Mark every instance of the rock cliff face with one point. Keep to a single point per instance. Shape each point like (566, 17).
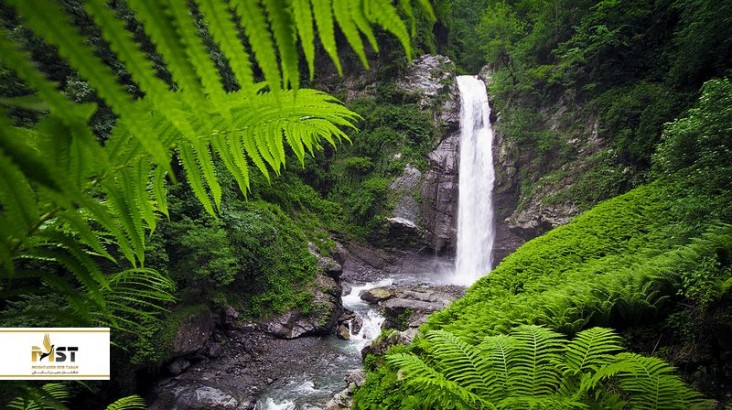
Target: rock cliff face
(544, 185)
(505, 196)
(527, 203)
(432, 78)
(440, 195)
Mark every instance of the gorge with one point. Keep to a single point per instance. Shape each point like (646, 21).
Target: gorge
(273, 209)
(405, 287)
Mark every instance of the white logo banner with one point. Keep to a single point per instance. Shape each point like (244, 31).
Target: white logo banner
(56, 353)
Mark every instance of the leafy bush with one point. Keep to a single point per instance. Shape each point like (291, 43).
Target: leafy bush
(202, 252)
(697, 149)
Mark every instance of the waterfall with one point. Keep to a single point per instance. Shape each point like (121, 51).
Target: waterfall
(475, 229)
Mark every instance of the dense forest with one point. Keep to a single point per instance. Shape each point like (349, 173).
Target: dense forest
(168, 162)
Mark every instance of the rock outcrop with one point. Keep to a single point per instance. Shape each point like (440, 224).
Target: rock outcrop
(405, 308)
(184, 396)
(506, 193)
(440, 195)
(344, 399)
(193, 333)
(404, 222)
(322, 317)
(548, 201)
(432, 77)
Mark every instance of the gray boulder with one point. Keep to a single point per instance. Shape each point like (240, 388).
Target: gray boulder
(193, 333)
(376, 295)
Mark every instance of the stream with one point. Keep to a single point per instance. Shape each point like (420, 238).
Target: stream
(323, 377)
(316, 385)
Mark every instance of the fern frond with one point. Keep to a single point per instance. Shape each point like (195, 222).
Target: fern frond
(498, 350)
(591, 349)
(50, 22)
(195, 51)
(462, 363)
(224, 33)
(70, 253)
(236, 150)
(143, 199)
(18, 210)
(128, 403)
(27, 158)
(323, 12)
(128, 51)
(385, 14)
(417, 373)
(255, 25)
(137, 64)
(188, 160)
(101, 215)
(650, 383)
(358, 16)
(296, 139)
(50, 395)
(163, 33)
(344, 17)
(252, 150)
(136, 294)
(406, 7)
(209, 174)
(14, 56)
(282, 24)
(78, 306)
(427, 6)
(79, 225)
(158, 189)
(262, 138)
(123, 202)
(303, 16)
(532, 370)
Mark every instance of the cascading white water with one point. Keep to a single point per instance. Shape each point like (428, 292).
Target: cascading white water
(475, 229)
(372, 319)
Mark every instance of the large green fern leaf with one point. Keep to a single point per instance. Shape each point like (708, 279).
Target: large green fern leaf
(462, 363)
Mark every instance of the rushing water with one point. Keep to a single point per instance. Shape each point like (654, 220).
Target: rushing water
(475, 229)
(315, 386)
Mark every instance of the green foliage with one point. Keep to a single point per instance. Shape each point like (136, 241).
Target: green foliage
(276, 266)
(202, 252)
(49, 396)
(617, 68)
(633, 117)
(393, 133)
(696, 149)
(129, 402)
(76, 208)
(625, 263)
(534, 367)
